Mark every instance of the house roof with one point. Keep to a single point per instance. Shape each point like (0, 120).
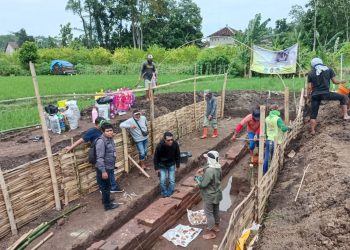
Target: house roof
(227, 31)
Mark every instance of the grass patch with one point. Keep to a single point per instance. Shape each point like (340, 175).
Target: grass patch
(24, 113)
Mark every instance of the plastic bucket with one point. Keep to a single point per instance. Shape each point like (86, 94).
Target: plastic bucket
(343, 90)
(62, 104)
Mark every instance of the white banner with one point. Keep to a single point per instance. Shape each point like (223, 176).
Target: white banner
(275, 62)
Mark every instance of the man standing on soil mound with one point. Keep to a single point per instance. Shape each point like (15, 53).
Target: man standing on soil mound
(89, 137)
(166, 158)
(318, 85)
(210, 115)
(209, 182)
(148, 73)
(137, 126)
(253, 126)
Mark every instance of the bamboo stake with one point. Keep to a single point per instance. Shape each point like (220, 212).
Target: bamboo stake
(261, 159)
(125, 145)
(8, 204)
(302, 180)
(286, 105)
(14, 246)
(195, 96)
(42, 241)
(223, 95)
(76, 168)
(46, 138)
(151, 102)
(138, 166)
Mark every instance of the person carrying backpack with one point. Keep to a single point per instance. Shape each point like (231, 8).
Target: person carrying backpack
(90, 136)
(106, 156)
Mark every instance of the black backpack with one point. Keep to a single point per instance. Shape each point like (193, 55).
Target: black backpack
(92, 157)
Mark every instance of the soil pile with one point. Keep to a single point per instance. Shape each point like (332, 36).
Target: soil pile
(320, 218)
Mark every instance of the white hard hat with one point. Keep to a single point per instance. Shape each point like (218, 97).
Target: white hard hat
(149, 56)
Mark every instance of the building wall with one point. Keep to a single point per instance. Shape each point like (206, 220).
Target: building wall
(9, 50)
(216, 41)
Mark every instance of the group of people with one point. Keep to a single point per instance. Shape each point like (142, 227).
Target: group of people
(166, 157)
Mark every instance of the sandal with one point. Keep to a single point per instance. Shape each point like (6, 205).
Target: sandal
(209, 236)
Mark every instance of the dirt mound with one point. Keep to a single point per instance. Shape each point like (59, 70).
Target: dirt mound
(320, 219)
(17, 148)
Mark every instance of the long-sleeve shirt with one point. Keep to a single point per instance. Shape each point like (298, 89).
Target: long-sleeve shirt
(252, 125)
(106, 154)
(136, 132)
(212, 104)
(166, 156)
(210, 186)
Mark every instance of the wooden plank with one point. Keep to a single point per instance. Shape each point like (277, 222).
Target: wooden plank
(138, 166)
(46, 138)
(125, 147)
(8, 204)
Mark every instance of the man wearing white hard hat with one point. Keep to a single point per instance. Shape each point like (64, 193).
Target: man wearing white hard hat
(318, 85)
(148, 73)
(209, 182)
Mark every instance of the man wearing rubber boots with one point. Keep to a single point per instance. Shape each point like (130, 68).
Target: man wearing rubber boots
(210, 116)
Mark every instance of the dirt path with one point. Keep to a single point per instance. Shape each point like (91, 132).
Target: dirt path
(320, 219)
(227, 205)
(92, 222)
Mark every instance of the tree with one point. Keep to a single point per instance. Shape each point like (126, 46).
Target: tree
(28, 52)
(22, 37)
(66, 35)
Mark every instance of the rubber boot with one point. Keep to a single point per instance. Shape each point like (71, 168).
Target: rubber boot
(215, 133)
(205, 133)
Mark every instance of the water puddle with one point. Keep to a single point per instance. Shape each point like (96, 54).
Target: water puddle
(227, 198)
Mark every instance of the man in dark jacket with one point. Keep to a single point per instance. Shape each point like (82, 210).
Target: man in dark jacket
(166, 158)
(106, 156)
(148, 73)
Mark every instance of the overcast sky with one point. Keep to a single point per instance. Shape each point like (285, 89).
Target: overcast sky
(43, 17)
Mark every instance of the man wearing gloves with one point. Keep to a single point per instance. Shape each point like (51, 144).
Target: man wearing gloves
(209, 182)
(210, 116)
(105, 161)
(166, 158)
(274, 127)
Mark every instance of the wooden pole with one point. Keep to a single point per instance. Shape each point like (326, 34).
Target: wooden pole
(76, 168)
(223, 95)
(341, 67)
(42, 241)
(46, 138)
(125, 145)
(301, 183)
(286, 105)
(261, 142)
(151, 103)
(138, 166)
(8, 204)
(195, 96)
(261, 160)
(306, 90)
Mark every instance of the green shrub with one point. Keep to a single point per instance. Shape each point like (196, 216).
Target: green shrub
(28, 52)
(100, 56)
(42, 68)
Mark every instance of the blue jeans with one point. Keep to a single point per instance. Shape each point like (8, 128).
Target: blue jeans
(105, 187)
(142, 147)
(113, 183)
(268, 155)
(170, 172)
(252, 143)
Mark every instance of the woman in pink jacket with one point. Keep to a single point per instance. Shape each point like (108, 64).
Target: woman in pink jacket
(253, 127)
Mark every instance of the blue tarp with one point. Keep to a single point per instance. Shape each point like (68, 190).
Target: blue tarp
(60, 63)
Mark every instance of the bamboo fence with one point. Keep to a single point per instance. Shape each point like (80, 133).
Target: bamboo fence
(252, 208)
(29, 186)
